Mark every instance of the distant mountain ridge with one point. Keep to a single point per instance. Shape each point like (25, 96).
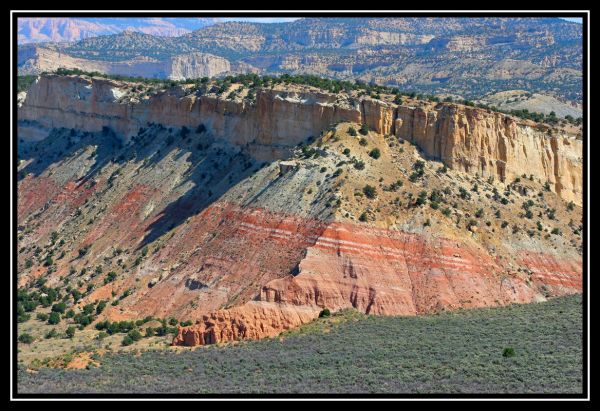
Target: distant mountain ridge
(38, 29)
(470, 57)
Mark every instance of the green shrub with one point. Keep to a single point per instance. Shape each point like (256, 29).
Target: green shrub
(135, 335)
(70, 332)
(54, 318)
(83, 251)
(21, 318)
(363, 141)
(364, 129)
(508, 352)
(59, 308)
(110, 277)
(127, 340)
(375, 153)
(363, 217)
(421, 199)
(370, 191)
(352, 131)
(51, 334)
(26, 338)
(101, 306)
(324, 313)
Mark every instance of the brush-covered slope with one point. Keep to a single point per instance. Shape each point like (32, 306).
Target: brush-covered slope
(251, 215)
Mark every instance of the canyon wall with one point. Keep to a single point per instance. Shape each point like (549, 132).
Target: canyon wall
(34, 60)
(248, 251)
(494, 145)
(464, 138)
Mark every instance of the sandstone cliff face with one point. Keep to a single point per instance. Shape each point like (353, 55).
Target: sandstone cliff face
(382, 38)
(468, 139)
(494, 145)
(34, 60)
(195, 65)
(275, 123)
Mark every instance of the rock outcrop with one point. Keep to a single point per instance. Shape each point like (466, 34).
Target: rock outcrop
(33, 60)
(469, 139)
(494, 145)
(252, 321)
(197, 226)
(384, 272)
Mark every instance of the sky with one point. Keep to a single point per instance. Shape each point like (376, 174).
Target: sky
(573, 19)
(261, 19)
(288, 19)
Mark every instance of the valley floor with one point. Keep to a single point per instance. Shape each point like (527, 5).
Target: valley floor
(460, 352)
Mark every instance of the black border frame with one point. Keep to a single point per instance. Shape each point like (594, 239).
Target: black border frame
(211, 13)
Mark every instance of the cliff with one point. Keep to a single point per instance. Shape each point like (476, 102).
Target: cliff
(34, 59)
(464, 138)
(196, 226)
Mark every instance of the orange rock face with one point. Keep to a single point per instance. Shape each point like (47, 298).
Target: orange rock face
(253, 320)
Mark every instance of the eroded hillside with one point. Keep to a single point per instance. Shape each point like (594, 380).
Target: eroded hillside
(250, 210)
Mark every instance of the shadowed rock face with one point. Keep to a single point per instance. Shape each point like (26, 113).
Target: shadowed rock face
(206, 231)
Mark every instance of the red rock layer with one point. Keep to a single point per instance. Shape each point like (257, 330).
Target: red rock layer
(557, 276)
(383, 272)
(222, 257)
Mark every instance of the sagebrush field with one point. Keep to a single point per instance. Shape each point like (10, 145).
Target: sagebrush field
(461, 352)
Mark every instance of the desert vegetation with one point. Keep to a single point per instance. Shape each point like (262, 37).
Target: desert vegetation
(534, 348)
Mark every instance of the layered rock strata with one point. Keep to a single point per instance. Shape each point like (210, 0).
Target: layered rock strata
(380, 272)
(249, 249)
(464, 138)
(33, 60)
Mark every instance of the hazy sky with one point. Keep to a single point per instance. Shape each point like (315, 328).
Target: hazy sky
(573, 19)
(261, 19)
(286, 19)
